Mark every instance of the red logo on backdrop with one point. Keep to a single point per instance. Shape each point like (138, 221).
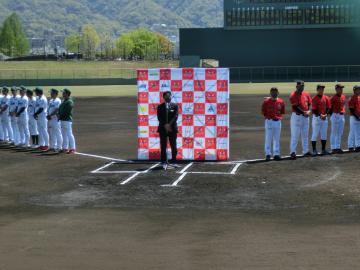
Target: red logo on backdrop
(199, 132)
(199, 85)
(210, 97)
(222, 132)
(143, 143)
(188, 143)
(199, 154)
(210, 120)
(179, 108)
(143, 120)
(180, 132)
(154, 154)
(222, 108)
(143, 97)
(154, 86)
(199, 108)
(187, 120)
(176, 85)
(187, 97)
(153, 132)
(188, 74)
(210, 143)
(165, 74)
(179, 155)
(142, 75)
(210, 74)
(222, 154)
(153, 108)
(222, 85)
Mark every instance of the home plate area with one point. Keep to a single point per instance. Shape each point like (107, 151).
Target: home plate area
(133, 169)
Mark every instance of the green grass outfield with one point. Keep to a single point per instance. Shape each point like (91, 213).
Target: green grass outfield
(236, 89)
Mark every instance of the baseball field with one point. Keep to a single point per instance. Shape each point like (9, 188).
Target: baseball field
(92, 211)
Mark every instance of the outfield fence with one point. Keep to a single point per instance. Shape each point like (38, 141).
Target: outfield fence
(237, 74)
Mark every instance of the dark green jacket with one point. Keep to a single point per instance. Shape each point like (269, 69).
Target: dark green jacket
(65, 110)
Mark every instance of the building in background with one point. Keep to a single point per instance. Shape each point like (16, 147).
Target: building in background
(48, 44)
(281, 40)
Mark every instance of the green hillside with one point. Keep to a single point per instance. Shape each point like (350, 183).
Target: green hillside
(111, 16)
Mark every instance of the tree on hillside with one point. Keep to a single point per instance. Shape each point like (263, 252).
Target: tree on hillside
(166, 47)
(13, 41)
(90, 41)
(125, 46)
(107, 46)
(72, 43)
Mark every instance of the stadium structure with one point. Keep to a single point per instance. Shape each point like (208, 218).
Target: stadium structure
(280, 40)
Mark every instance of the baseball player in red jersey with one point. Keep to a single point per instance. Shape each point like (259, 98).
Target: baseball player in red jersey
(300, 121)
(320, 108)
(337, 113)
(273, 109)
(354, 107)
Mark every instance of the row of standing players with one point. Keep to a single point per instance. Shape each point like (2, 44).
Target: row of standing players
(29, 120)
(322, 108)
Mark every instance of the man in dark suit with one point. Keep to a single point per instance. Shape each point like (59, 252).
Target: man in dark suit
(167, 114)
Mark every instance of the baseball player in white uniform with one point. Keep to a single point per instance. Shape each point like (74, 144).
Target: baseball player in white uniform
(12, 111)
(32, 121)
(5, 117)
(40, 116)
(23, 118)
(54, 124)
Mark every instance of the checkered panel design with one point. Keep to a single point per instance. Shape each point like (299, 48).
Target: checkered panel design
(202, 95)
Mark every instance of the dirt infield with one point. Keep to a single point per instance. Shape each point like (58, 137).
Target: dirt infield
(56, 214)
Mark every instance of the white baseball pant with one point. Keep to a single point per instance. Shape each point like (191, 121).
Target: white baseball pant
(337, 130)
(24, 134)
(300, 126)
(6, 123)
(319, 127)
(33, 126)
(56, 140)
(68, 136)
(355, 127)
(43, 133)
(15, 129)
(272, 137)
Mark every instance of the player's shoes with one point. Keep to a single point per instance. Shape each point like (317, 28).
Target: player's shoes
(308, 154)
(293, 156)
(277, 158)
(268, 158)
(357, 149)
(325, 153)
(164, 165)
(351, 149)
(340, 151)
(315, 153)
(71, 151)
(44, 148)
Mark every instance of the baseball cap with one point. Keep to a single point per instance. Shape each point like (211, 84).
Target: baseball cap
(38, 90)
(339, 86)
(274, 89)
(66, 91)
(13, 88)
(22, 87)
(320, 86)
(356, 87)
(53, 90)
(5, 88)
(300, 82)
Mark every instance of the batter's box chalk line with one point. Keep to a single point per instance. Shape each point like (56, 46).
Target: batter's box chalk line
(183, 172)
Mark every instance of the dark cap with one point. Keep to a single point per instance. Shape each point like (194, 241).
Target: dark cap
(14, 88)
(339, 86)
(22, 87)
(5, 88)
(274, 89)
(38, 90)
(356, 87)
(53, 90)
(300, 82)
(319, 86)
(66, 91)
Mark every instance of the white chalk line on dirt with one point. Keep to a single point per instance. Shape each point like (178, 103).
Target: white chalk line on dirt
(132, 177)
(325, 181)
(100, 157)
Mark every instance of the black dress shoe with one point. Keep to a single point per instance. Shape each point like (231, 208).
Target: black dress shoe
(268, 158)
(277, 158)
(293, 156)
